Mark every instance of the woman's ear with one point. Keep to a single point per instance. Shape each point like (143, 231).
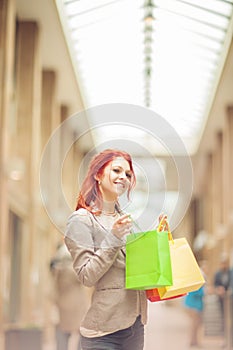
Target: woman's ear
(97, 179)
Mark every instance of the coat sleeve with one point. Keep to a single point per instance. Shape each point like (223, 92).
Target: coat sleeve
(90, 263)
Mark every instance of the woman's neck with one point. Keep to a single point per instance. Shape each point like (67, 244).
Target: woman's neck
(109, 207)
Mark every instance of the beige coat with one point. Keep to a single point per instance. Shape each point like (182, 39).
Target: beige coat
(71, 297)
(99, 261)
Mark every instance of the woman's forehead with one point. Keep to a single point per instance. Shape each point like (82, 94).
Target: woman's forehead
(120, 161)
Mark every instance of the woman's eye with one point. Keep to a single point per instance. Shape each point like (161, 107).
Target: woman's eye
(116, 170)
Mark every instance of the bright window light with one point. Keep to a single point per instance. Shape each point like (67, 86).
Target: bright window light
(188, 44)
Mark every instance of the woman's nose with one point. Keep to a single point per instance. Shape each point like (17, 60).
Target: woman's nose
(123, 175)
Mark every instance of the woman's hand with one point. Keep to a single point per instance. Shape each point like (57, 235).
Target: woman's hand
(122, 226)
(164, 224)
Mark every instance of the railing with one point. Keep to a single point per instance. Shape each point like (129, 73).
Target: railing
(218, 319)
(228, 311)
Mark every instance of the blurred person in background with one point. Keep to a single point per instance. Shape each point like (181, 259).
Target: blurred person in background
(70, 297)
(231, 307)
(194, 304)
(222, 280)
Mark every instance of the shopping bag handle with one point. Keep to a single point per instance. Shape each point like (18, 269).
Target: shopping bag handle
(161, 227)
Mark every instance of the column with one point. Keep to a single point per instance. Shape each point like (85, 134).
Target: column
(217, 183)
(228, 170)
(27, 148)
(230, 160)
(48, 105)
(68, 153)
(208, 198)
(7, 44)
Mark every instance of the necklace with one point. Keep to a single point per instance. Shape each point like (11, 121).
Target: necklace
(109, 213)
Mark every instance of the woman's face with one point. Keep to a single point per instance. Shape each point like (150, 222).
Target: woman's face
(116, 179)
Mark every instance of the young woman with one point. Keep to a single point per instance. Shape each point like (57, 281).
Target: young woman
(95, 238)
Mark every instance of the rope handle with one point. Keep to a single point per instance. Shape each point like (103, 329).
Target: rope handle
(164, 226)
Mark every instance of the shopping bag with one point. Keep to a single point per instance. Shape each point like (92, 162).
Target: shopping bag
(186, 273)
(148, 262)
(153, 295)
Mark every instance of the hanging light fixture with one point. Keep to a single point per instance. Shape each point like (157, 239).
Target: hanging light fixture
(148, 41)
(148, 18)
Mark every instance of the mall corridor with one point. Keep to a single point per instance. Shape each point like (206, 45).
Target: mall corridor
(76, 79)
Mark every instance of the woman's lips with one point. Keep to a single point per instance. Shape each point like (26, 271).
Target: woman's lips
(120, 184)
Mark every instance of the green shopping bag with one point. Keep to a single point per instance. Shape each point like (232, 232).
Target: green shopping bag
(148, 263)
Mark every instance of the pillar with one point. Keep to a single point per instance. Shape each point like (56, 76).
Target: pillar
(27, 148)
(7, 43)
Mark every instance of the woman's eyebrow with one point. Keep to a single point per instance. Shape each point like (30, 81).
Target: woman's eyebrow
(119, 166)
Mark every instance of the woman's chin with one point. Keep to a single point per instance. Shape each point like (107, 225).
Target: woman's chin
(120, 190)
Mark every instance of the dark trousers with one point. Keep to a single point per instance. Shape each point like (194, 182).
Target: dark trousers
(131, 338)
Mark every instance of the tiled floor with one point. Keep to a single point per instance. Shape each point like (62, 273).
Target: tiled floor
(168, 328)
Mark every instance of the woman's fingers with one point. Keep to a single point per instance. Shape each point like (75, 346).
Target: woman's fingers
(123, 219)
(122, 226)
(162, 217)
(163, 222)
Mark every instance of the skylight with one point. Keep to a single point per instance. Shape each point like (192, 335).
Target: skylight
(186, 50)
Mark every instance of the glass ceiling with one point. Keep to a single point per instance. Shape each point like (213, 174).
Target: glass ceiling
(166, 55)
